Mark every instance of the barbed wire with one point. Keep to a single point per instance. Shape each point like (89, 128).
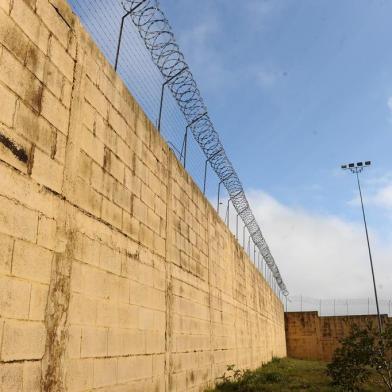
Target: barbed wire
(156, 32)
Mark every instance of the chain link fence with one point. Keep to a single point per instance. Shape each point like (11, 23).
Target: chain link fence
(337, 307)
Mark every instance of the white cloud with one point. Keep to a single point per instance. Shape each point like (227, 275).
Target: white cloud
(389, 103)
(321, 256)
(205, 59)
(383, 197)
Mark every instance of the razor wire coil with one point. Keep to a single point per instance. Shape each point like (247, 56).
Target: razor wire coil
(157, 34)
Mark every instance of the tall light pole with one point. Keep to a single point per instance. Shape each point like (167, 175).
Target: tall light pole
(357, 168)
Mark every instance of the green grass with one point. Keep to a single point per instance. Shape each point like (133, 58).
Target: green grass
(285, 375)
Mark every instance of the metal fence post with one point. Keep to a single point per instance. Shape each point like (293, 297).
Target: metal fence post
(219, 185)
(121, 31)
(185, 142)
(254, 253)
(162, 93)
(217, 207)
(228, 213)
(205, 169)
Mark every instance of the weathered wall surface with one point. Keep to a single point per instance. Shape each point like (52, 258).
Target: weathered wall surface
(115, 272)
(309, 336)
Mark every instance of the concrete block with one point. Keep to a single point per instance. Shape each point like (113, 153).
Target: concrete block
(87, 250)
(111, 213)
(134, 368)
(7, 103)
(12, 37)
(117, 123)
(128, 316)
(130, 226)
(14, 297)
(141, 170)
(133, 183)
(146, 236)
(6, 249)
(61, 142)
(146, 319)
(105, 372)
(155, 342)
(110, 260)
(139, 209)
(124, 342)
(29, 22)
(159, 245)
(31, 376)
(92, 146)
(53, 21)
(32, 262)
(84, 168)
(20, 80)
(11, 376)
(96, 99)
(74, 341)
(80, 375)
(94, 342)
(23, 340)
(92, 282)
(54, 111)
(115, 167)
(153, 221)
(122, 196)
(66, 93)
(34, 128)
(46, 235)
(87, 198)
(82, 310)
(38, 301)
(26, 192)
(18, 221)
(61, 58)
(107, 314)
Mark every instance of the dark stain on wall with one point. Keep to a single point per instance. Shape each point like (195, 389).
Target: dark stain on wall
(19, 152)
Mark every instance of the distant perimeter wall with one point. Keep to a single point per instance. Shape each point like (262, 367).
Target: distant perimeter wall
(309, 336)
(116, 274)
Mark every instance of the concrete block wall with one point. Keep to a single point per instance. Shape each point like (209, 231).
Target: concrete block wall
(116, 274)
(312, 337)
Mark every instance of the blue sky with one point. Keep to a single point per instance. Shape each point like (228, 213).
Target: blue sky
(303, 85)
(295, 88)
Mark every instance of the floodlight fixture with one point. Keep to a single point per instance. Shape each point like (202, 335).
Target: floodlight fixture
(356, 167)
